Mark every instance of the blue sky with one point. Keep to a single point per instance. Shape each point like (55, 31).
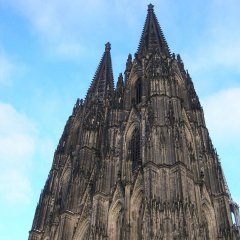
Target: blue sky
(49, 51)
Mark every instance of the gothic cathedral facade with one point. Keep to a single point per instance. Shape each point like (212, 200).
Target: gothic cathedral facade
(136, 161)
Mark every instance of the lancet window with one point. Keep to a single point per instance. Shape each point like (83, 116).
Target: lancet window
(135, 148)
(138, 90)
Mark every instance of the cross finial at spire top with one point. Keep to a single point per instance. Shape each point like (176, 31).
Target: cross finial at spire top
(150, 7)
(107, 46)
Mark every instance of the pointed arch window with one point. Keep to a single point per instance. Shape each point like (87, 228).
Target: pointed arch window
(138, 90)
(135, 148)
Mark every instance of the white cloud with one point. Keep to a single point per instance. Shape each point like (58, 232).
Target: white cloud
(61, 25)
(10, 68)
(218, 45)
(17, 146)
(222, 113)
(15, 186)
(20, 145)
(69, 49)
(66, 28)
(6, 69)
(46, 148)
(217, 54)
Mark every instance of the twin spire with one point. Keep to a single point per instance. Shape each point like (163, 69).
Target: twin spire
(102, 85)
(152, 38)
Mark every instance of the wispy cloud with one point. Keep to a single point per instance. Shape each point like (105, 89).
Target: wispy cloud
(6, 69)
(17, 146)
(61, 26)
(20, 146)
(222, 113)
(15, 187)
(64, 27)
(218, 45)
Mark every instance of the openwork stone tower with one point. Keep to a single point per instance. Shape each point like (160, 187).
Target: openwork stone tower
(136, 161)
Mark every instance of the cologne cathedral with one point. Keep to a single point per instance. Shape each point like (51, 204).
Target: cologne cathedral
(136, 161)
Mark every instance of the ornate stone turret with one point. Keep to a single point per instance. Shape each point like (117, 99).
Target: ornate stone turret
(137, 162)
(118, 97)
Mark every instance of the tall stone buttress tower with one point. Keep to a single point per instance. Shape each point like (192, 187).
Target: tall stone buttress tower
(136, 161)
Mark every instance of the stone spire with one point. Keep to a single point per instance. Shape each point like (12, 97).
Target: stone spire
(152, 35)
(120, 83)
(102, 86)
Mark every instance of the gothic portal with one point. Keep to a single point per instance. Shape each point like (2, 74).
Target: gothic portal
(136, 161)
